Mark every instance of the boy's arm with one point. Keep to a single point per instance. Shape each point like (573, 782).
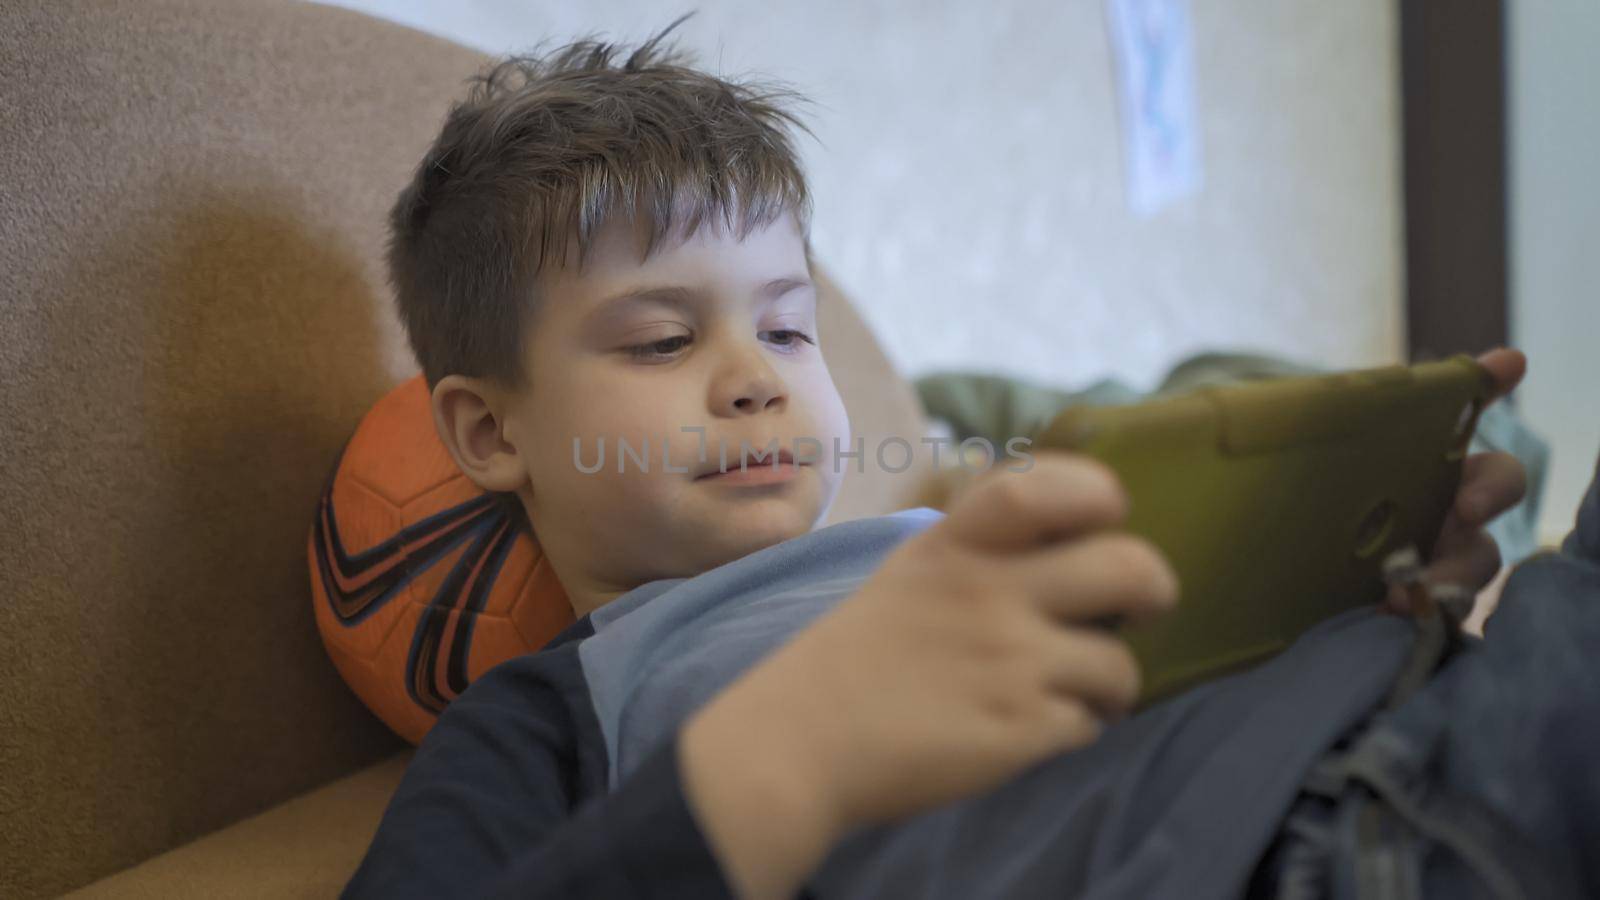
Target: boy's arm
(757, 792)
(485, 807)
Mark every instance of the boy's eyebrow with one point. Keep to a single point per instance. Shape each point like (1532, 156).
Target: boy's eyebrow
(674, 294)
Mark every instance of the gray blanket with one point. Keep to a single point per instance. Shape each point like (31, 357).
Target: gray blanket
(1180, 800)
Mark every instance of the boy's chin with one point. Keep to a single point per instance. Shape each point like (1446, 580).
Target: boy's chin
(757, 524)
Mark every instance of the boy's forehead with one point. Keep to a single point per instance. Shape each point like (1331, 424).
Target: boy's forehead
(619, 245)
(616, 256)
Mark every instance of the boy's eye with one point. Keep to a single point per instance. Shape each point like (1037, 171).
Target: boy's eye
(666, 348)
(792, 337)
(658, 349)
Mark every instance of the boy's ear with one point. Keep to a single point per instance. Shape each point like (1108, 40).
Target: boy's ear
(466, 415)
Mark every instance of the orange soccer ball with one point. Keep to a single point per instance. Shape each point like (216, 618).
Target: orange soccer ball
(421, 580)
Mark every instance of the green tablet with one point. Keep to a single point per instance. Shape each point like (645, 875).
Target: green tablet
(1276, 501)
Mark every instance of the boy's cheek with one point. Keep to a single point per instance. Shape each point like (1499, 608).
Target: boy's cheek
(830, 419)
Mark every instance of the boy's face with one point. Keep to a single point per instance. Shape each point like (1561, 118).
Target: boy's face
(731, 354)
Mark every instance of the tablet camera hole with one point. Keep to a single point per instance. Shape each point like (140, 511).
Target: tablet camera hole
(1375, 528)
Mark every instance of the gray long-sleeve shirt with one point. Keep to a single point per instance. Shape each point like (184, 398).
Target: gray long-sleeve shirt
(555, 774)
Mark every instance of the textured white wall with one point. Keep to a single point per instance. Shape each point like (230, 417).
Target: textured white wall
(1555, 238)
(969, 190)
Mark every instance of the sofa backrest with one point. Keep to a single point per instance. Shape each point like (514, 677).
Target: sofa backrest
(192, 202)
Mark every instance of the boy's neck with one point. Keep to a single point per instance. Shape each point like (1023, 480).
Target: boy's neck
(587, 594)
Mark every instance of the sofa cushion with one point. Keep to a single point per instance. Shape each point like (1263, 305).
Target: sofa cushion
(305, 847)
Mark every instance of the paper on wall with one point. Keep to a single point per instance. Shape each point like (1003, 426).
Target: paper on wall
(1153, 49)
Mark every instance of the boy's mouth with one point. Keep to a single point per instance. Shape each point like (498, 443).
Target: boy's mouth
(752, 461)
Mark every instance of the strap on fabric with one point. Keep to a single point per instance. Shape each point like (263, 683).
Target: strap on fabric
(1437, 610)
(1359, 829)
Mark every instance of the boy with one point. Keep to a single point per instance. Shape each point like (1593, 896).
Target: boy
(593, 255)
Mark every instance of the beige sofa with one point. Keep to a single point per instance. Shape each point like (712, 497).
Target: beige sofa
(192, 197)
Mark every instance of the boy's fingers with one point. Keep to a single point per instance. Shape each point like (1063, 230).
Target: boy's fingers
(1093, 666)
(1061, 494)
(1506, 366)
(1491, 483)
(1112, 574)
(1072, 722)
(1473, 566)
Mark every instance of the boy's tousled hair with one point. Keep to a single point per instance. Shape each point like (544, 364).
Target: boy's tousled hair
(546, 149)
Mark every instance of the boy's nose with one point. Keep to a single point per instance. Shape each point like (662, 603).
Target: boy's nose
(758, 401)
(747, 386)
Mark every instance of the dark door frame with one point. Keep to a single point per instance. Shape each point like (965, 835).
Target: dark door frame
(1453, 97)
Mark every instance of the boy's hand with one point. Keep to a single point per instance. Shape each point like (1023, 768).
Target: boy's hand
(968, 656)
(1491, 483)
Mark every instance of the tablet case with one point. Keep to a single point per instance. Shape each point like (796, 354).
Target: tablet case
(1276, 501)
